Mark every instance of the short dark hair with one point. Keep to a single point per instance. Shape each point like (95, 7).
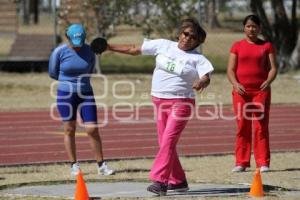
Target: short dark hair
(194, 24)
(253, 18)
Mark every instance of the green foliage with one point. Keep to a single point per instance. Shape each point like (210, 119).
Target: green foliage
(104, 15)
(116, 63)
(162, 17)
(3, 56)
(153, 16)
(282, 31)
(172, 11)
(219, 63)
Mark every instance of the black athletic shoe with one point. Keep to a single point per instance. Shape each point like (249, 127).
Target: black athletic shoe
(181, 187)
(158, 188)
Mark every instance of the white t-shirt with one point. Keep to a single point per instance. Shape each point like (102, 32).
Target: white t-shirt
(175, 70)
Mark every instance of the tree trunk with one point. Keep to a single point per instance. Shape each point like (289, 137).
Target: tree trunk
(257, 8)
(212, 15)
(50, 5)
(35, 11)
(26, 16)
(283, 33)
(295, 58)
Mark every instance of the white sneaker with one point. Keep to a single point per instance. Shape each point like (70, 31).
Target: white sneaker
(75, 169)
(238, 169)
(264, 169)
(104, 170)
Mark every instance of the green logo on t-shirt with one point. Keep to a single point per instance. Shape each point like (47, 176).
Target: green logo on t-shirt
(171, 66)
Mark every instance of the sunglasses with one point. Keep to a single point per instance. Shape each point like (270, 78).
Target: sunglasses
(188, 34)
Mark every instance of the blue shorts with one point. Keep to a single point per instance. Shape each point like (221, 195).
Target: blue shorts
(68, 103)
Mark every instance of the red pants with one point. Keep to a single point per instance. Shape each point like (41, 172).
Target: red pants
(252, 113)
(172, 116)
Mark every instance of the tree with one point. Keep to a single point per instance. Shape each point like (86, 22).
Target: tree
(283, 32)
(25, 9)
(212, 14)
(153, 16)
(35, 10)
(30, 7)
(98, 16)
(104, 16)
(295, 58)
(163, 17)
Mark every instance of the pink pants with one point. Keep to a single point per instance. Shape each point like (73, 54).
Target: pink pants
(172, 116)
(252, 112)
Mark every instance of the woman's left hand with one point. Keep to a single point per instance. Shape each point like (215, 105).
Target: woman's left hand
(265, 85)
(202, 83)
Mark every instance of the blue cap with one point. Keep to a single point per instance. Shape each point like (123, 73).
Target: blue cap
(76, 35)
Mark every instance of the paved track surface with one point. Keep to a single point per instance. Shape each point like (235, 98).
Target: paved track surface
(35, 137)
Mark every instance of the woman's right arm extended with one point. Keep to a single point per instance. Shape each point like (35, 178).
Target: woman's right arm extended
(129, 49)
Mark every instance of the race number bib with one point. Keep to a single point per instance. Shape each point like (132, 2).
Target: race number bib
(169, 65)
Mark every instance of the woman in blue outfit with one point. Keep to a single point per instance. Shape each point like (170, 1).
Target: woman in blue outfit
(71, 64)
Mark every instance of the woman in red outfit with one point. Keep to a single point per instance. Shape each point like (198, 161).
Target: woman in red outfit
(251, 70)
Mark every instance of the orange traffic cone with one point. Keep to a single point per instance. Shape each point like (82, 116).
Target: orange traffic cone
(257, 189)
(81, 192)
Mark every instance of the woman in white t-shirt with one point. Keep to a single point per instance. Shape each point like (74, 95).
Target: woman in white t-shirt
(179, 69)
